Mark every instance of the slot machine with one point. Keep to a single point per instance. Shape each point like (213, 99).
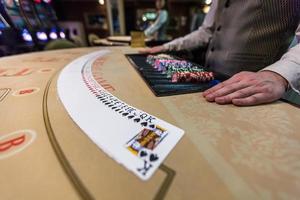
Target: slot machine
(15, 34)
(49, 19)
(4, 48)
(32, 20)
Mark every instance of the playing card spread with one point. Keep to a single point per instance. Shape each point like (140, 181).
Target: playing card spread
(132, 137)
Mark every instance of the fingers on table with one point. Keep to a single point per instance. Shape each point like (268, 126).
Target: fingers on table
(255, 99)
(225, 89)
(247, 96)
(261, 94)
(145, 50)
(219, 86)
(238, 94)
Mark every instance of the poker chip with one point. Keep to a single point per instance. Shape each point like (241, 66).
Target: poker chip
(192, 77)
(172, 70)
(152, 58)
(179, 70)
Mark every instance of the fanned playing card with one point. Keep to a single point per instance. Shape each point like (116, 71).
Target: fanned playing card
(135, 139)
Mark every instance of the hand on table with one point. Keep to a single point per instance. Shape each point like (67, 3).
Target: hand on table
(248, 88)
(153, 50)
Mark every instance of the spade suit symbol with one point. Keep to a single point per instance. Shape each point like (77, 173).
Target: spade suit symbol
(137, 120)
(153, 157)
(143, 154)
(152, 126)
(144, 123)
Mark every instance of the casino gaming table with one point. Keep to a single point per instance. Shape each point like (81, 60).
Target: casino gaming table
(227, 152)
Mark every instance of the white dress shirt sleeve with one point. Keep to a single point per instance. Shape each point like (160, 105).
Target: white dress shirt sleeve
(289, 65)
(199, 37)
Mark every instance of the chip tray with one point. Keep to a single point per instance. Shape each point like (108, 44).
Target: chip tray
(160, 84)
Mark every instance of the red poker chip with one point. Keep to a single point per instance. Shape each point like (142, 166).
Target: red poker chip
(195, 77)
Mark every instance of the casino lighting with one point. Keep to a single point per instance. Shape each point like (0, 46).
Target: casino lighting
(53, 35)
(62, 35)
(101, 2)
(42, 36)
(208, 2)
(206, 9)
(26, 36)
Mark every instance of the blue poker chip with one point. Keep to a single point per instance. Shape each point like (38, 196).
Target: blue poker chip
(214, 82)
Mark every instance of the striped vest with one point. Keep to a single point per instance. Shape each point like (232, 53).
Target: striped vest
(251, 34)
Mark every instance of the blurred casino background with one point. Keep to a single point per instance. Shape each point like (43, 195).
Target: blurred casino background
(37, 25)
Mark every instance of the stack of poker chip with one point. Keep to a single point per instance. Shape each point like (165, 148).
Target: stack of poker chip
(152, 58)
(192, 77)
(179, 70)
(171, 70)
(163, 65)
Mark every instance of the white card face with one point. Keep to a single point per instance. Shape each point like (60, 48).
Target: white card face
(137, 140)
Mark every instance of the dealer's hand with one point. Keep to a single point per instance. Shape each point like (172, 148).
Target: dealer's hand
(156, 49)
(248, 88)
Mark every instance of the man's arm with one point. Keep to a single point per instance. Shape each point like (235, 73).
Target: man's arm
(198, 38)
(289, 65)
(267, 85)
(193, 40)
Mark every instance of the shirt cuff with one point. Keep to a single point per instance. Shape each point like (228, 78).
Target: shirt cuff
(171, 46)
(288, 70)
(166, 46)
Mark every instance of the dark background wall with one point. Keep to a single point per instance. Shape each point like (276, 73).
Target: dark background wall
(77, 11)
(179, 11)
